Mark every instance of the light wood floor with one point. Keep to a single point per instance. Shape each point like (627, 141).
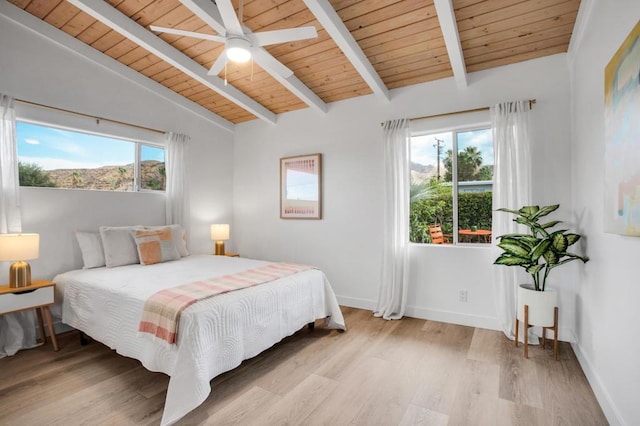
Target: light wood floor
(379, 372)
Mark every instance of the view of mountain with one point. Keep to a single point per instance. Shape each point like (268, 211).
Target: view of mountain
(421, 173)
(110, 178)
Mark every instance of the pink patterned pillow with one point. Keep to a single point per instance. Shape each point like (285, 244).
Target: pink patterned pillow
(155, 246)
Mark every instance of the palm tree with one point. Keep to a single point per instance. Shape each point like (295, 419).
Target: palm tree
(474, 155)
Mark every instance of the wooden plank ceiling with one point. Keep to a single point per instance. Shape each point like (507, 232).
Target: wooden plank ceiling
(402, 40)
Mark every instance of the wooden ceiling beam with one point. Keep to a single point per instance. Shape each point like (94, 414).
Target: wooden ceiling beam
(208, 12)
(447, 19)
(332, 23)
(146, 39)
(32, 23)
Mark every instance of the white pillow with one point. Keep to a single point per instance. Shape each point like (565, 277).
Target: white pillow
(119, 246)
(91, 247)
(178, 236)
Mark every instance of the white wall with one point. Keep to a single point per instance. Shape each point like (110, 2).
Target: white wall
(347, 242)
(608, 289)
(37, 70)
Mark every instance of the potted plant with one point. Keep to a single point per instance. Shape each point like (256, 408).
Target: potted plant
(538, 252)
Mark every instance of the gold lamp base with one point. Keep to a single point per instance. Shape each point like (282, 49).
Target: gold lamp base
(219, 248)
(20, 274)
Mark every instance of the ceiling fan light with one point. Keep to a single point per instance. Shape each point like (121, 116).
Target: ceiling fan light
(238, 50)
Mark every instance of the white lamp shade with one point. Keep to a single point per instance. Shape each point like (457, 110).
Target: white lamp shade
(238, 50)
(14, 247)
(220, 232)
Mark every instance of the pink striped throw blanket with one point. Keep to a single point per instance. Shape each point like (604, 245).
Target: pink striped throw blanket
(161, 312)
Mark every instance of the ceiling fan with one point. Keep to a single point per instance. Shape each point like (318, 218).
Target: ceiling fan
(240, 44)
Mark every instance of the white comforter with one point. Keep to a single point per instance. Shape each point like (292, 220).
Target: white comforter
(215, 335)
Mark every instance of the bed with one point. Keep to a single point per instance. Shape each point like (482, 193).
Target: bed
(214, 336)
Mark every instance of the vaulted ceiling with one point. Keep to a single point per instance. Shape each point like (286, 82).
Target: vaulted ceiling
(363, 46)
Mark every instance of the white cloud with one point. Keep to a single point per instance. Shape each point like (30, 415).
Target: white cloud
(32, 141)
(70, 148)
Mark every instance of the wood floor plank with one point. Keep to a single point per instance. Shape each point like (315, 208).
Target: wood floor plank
(407, 372)
(489, 346)
(476, 400)
(519, 381)
(242, 410)
(298, 403)
(473, 409)
(510, 413)
(418, 416)
(343, 405)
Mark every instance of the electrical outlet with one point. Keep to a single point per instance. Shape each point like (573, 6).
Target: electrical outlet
(463, 296)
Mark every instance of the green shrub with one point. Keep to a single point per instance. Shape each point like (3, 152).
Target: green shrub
(31, 174)
(474, 209)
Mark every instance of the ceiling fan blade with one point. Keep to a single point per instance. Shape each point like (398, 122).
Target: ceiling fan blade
(187, 34)
(218, 64)
(270, 64)
(265, 38)
(229, 17)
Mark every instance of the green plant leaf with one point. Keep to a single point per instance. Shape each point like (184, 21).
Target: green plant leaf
(539, 250)
(551, 224)
(545, 211)
(529, 211)
(560, 242)
(551, 257)
(534, 269)
(514, 247)
(572, 239)
(523, 221)
(570, 259)
(508, 211)
(509, 260)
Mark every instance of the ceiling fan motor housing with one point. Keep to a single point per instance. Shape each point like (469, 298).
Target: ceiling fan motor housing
(238, 49)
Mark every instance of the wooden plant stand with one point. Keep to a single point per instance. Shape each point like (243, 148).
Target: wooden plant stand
(544, 332)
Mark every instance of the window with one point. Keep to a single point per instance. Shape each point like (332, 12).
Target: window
(451, 186)
(62, 158)
(152, 172)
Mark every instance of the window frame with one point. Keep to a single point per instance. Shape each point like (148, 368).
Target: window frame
(134, 139)
(454, 130)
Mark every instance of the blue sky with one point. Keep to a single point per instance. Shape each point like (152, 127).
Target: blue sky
(53, 148)
(423, 149)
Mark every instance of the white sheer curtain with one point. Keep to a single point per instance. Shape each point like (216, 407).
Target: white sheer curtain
(17, 331)
(512, 190)
(394, 280)
(177, 191)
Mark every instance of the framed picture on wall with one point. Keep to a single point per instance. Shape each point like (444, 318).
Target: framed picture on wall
(622, 145)
(301, 187)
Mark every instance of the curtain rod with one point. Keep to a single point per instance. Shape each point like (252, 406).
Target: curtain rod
(445, 114)
(98, 119)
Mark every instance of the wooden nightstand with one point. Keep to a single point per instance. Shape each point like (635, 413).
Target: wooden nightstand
(39, 295)
(232, 254)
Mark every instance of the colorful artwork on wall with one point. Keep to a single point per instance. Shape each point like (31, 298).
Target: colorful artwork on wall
(301, 187)
(622, 149)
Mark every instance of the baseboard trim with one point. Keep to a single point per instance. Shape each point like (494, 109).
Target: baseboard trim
(459, 318)
(428, 314)
(353, 302)
(604, 399)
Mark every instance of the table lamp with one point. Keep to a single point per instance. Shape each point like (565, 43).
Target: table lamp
(220, 233)
(18, 248)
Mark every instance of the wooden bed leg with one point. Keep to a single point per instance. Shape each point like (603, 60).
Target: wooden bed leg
(526, 331)
(311, 326)
(84, 339)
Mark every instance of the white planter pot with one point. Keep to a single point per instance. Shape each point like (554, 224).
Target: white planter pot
(541, 305)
